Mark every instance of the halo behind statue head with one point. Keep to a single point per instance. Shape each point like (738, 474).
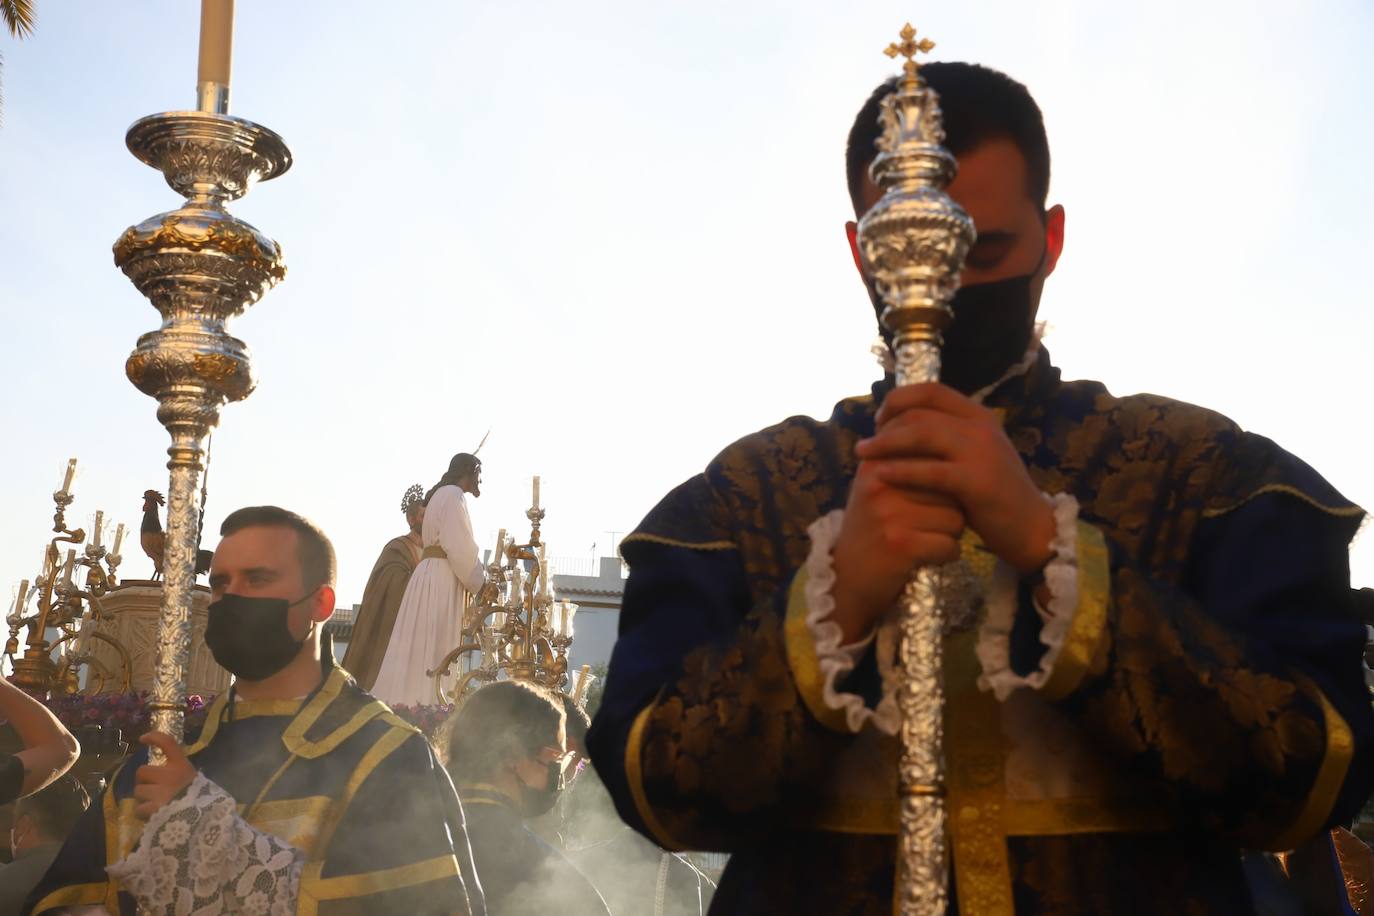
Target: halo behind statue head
(414, 498)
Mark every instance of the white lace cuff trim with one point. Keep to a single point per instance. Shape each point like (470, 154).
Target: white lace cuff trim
(1061, 578)
(835, 660)
(198, 857)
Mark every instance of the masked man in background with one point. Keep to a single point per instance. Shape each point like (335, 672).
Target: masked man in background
(303, 794)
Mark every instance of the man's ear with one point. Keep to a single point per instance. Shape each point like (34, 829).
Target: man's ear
(1054, 237)
(851, 231)
(323, 608)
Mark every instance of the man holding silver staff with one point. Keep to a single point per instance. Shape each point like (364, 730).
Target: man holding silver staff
(1151, 659)
(302, 794)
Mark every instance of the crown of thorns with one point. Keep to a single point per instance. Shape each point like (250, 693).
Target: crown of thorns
(415, 496)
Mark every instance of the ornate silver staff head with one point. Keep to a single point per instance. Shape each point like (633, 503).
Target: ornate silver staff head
(200, 266)
(914, 239)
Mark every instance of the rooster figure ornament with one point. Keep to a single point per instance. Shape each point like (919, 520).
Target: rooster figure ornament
(153, 539)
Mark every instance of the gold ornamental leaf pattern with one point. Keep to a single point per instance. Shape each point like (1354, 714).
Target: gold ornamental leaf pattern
(215, 367)
(1176, 694)
(227, 236)
(135, 367)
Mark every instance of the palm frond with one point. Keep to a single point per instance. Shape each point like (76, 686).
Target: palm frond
(18, 16)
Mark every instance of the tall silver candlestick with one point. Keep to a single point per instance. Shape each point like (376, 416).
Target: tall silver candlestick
(913, 242)
(200, 266)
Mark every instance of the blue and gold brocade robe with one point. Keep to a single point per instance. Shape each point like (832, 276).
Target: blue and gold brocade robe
(1209, 696)
(337, 775)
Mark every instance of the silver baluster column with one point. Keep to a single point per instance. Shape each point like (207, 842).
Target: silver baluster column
(200, 266)
(913, 243)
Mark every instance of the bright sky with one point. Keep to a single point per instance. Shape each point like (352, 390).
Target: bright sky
(612, 232)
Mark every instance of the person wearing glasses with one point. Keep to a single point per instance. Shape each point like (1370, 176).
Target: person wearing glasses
(508, 754)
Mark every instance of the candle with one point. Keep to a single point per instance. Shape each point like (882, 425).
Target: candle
(67, 570)
(46, 565)
(71, 472)
(119, 538)
(498, 557)
(583, 673)
(23, 593)
(543, 572)
(515, 584)
(99, 523)
(536, 492)
(216, 51)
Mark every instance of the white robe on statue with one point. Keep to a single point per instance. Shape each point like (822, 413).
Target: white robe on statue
(429, 623)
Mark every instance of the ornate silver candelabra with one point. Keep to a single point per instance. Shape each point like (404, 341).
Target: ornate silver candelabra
(200, 266)
(913, 243)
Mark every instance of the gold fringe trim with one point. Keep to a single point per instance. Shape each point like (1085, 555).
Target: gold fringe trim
(1340, 748)
(73, 895)
(670, 542)
(294, 736)
(375, 882)
(1351, 511)
(212, 718)
(634, 776)
(384, 747)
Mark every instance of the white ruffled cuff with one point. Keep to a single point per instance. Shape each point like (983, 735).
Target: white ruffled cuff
(837, 661)
(197, 852)
(1061, 578)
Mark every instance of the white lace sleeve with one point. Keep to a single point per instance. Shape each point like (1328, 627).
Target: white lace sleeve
(198, 857)
(836, 661)
(1061, 578)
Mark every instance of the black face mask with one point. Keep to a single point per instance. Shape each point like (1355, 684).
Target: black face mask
(536, 802)
(249, 636)
(989, 333)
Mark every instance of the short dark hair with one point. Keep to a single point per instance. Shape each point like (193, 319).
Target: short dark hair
(498, 725)
(318, 564)
(978, 104)
(55, 808)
